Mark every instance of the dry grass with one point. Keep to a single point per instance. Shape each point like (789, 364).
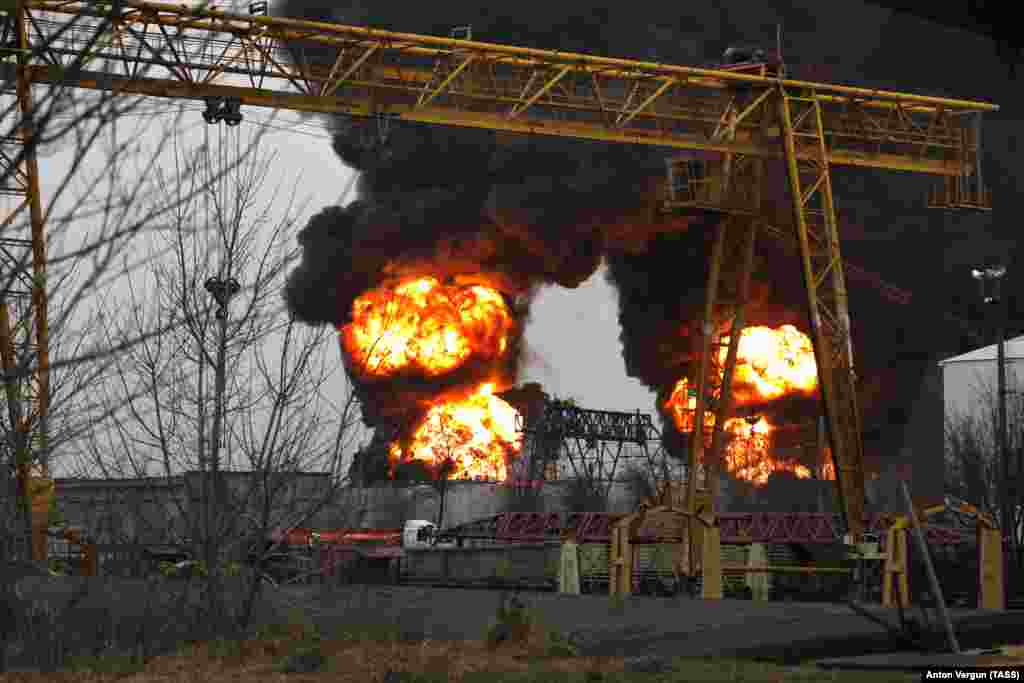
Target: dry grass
(366, 657)
(348, 661)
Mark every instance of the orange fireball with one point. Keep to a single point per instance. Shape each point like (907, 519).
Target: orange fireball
(477, 432)
(422, 326)
(771, 363)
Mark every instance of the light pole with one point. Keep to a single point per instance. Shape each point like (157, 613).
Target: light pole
(989, 280)
(222, 290)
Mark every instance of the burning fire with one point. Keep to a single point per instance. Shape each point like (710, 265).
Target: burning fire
(747, 455)
(827, 470)
(682, 404)
(476, 431)
(426, 327)
(770, 364)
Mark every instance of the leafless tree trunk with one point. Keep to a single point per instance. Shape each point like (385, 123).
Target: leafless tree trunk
(267, 421)
(974, 466)
(94, 153)
(102, 191)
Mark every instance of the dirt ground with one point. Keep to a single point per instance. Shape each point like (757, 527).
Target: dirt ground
(639, 626)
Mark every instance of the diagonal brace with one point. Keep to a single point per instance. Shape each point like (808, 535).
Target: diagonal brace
(623, 119)
(427, 95)
(329, 89)
(752, 107)
(518, 109)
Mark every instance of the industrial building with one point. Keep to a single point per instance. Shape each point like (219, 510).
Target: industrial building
(969, 381)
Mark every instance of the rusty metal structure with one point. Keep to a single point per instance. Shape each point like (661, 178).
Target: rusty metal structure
(736, 528)
(739, 115)
(591, 442)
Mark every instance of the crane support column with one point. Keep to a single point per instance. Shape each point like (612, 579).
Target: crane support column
(724, 409)
(29, 412)
(746, 176)
(818, 235)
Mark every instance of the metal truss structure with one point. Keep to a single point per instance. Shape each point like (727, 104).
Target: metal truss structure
(569, 421)
(591, 442)
(365, 71)
(175, 51)
(736, 528)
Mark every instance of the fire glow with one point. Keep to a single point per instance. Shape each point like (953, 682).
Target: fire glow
(747, 456)
(770, 364)
(477, 432)
(424, 327)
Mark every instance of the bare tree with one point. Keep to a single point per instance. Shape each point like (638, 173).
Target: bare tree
(974, 465)
(239, 393)
(101, 191)
(75, 165)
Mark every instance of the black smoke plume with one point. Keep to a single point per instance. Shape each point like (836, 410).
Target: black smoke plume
(535, 211)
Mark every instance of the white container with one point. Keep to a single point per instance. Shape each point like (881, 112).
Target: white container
(418, 533)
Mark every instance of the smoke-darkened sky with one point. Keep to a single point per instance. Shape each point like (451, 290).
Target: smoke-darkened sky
(535, 210)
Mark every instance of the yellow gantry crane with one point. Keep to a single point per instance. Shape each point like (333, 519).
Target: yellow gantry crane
(743, 116)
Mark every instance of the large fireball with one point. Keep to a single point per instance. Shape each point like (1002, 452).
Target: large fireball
(424, 327)
(477, 432)
(772, 363)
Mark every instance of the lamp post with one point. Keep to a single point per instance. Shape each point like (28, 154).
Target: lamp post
(222, 290)
(989, 280)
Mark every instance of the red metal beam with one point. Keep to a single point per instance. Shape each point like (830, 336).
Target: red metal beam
(736, 527)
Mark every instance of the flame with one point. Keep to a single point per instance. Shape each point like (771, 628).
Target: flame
(827, 470)
(682, 404)
(476, 431)
(422, 326)
(747, 455)
(772, 363)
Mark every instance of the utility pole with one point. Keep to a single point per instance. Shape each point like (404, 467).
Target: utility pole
(990, 279)
(223, 290)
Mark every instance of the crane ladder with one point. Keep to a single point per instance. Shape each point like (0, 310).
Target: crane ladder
(817, 233)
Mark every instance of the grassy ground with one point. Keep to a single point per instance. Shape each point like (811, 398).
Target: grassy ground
(361, 656)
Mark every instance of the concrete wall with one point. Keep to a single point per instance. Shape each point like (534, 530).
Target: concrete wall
(124, 510)
(163, 509)
(511, 563)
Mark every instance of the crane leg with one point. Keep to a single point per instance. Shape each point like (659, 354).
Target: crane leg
(817, 232)
(23, 274)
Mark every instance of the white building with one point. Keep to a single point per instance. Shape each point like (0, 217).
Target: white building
(969, 381)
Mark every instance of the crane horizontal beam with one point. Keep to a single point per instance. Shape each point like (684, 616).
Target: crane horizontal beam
(172, 51)
(565, 420)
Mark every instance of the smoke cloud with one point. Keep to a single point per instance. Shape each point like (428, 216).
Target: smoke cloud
(518, 212)
(527, 212)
